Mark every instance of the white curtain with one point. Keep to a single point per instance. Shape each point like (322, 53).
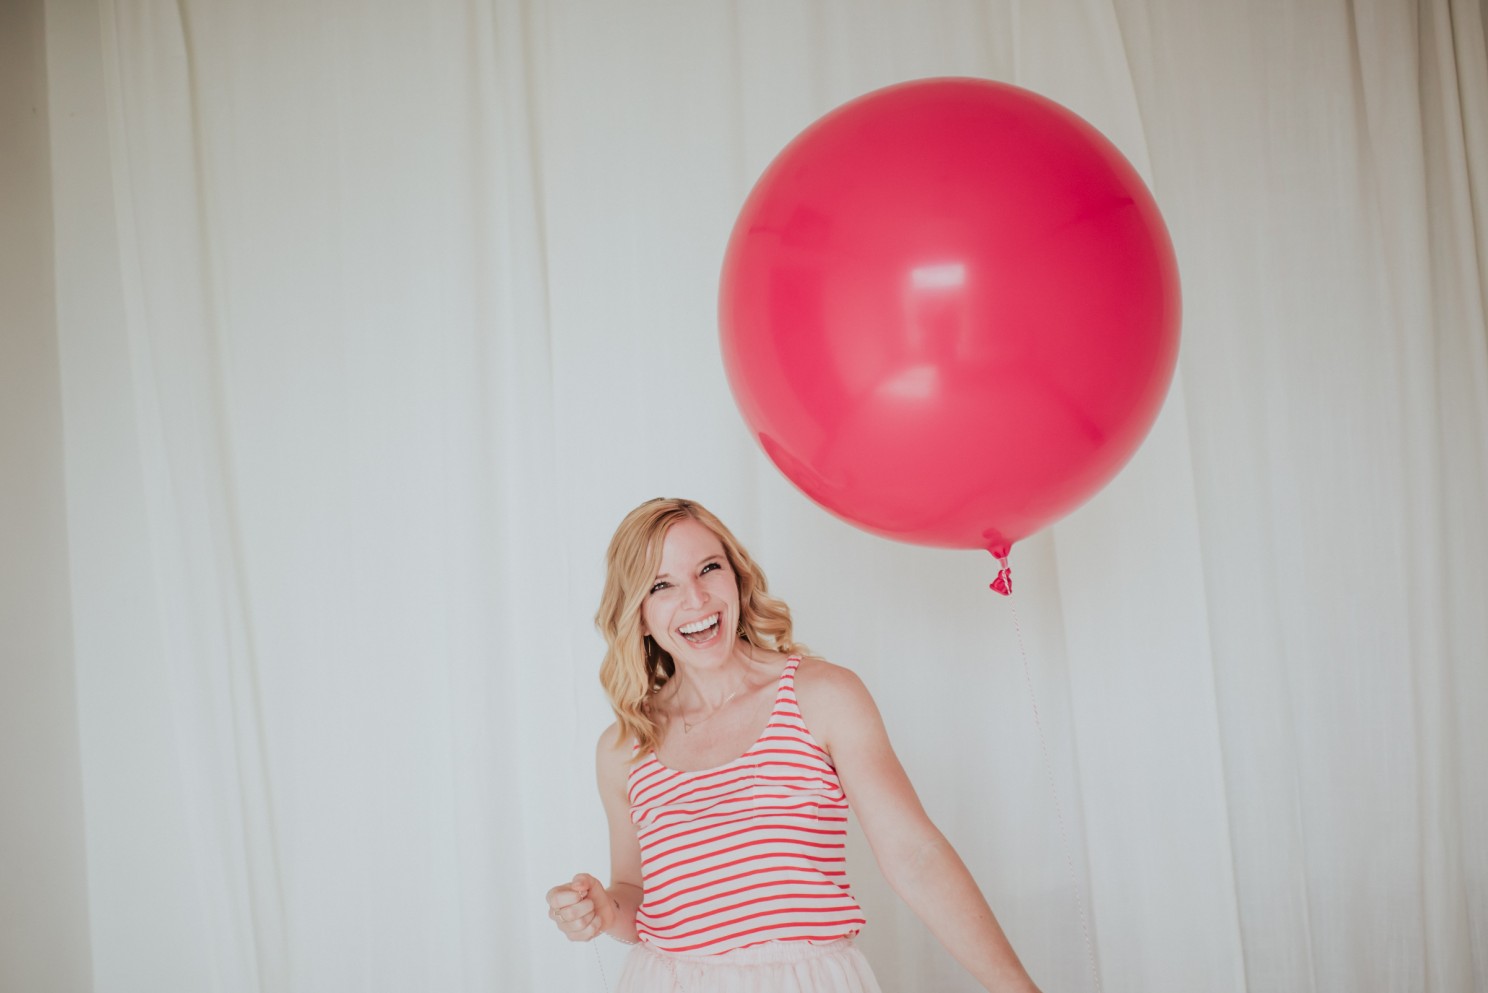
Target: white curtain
(375, 318)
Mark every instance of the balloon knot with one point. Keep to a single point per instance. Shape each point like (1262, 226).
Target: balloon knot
(1004, 582)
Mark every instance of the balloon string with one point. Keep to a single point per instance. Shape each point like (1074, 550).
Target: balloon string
(1053, 790)
(604, 978)
(599, 961)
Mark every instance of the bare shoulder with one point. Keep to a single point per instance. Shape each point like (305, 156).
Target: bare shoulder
(612, 758)
(833, 684)
(834, 701)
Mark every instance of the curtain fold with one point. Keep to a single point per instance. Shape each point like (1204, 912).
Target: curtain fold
(373, 323)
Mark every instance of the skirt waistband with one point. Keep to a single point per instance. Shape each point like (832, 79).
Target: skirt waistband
(766, 952)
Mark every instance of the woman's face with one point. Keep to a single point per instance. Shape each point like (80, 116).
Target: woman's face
(692, 609)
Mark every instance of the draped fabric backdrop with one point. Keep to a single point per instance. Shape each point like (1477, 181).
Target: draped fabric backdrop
(371, 320)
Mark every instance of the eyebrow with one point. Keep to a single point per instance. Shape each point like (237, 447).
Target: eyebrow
(710, 558)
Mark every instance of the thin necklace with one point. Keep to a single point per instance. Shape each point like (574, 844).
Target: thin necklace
(687, 725)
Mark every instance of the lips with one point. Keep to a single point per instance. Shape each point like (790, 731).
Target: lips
(700, 631)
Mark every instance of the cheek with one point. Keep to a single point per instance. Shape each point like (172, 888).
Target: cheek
(654, 615)
(727, 588)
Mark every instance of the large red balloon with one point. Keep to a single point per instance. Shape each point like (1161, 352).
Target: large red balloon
(950, 312)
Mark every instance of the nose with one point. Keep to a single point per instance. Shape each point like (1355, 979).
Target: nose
(694, 594)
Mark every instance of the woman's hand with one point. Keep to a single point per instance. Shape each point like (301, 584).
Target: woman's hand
(582, 908)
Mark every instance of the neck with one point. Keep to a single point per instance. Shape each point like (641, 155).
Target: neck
(706, 688)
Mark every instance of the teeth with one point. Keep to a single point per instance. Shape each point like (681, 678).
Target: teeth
(697, 626)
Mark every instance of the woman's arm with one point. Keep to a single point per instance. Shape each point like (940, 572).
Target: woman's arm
(612, 768)
(585, 908)
(915, 857)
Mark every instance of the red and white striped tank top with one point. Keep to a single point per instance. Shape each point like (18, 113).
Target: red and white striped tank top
(750, 851)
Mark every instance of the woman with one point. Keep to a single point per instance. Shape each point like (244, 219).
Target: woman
(726, 780)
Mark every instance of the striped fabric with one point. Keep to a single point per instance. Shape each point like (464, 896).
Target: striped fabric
(748, 852)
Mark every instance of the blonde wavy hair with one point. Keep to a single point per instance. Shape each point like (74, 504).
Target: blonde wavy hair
(634, 666)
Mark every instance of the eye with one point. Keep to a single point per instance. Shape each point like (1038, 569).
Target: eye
(660, 586)
(711, 566)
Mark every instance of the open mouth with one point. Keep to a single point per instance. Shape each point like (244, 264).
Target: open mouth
(700, 632)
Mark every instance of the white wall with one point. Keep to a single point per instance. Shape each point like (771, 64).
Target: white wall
(44, 943)
(371, 321)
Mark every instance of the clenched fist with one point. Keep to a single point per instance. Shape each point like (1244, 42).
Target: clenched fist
(581, 908)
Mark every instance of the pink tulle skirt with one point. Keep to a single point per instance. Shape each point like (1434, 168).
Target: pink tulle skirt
(772, 967)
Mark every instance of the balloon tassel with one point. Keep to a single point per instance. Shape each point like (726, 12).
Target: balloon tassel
(1004, 582)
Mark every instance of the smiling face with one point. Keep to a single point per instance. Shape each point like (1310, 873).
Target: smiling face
(692, 609)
